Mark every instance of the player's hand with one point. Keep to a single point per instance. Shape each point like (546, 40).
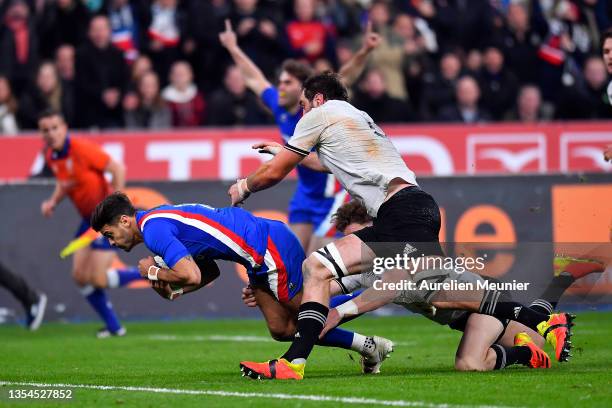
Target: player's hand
(268, 29)
(47, 207)
(248, 297)
(144, 264)
(333, 320)
(228, 37)
(272, 148)
(163, 289)
(239, 192)
(608, 153)
(245, 26)
(371, 39)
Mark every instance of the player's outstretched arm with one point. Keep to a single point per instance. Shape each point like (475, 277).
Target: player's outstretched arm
(117, 171)
(311, 161)
(268, 174)
(353, 68)
(48, 206)
(371, 299)
(254, 78)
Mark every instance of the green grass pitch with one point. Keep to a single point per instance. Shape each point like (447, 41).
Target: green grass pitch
(203, 356)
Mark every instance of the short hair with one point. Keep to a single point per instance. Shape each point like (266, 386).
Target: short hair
(297, 69)
(108, 211)
(353, 211)
(327, 84)
(50, 112)
(604, 36)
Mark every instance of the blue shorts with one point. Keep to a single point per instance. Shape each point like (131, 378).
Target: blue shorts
(317, 211)
(100, 243)
(282, 269)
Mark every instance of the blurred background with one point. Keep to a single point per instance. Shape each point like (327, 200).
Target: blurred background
(499, 106)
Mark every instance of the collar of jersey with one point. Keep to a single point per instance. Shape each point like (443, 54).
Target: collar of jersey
(62, 154)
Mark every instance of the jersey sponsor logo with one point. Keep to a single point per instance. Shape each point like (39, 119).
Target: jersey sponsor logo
(517, 311)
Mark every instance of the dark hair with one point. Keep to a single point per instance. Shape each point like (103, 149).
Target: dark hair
(328, 84)
(604, 36)
(50, 112)
(353, 211)
(108, 211)
(297, 69)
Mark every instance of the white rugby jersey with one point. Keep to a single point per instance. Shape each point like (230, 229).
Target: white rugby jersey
(353, 148)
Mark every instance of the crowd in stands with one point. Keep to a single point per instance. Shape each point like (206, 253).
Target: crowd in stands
(155, 64)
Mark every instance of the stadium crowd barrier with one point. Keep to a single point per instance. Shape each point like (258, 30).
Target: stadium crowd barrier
(440, 150)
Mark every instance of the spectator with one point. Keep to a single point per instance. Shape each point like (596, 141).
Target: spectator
(414, 43)
(124, 17)
(415, 60)
(150, 111)
(8, 108)
(440, 87)
(62, 22)
(166, 23)
(100, 79)
(528, 107)
(185, 101)
(46, 94)
(202, 48)
(322, 65)
(18, 46)
(258, 34)
(375, 100)
(140, 66)
(586, 99)
(64, 62)
(306, 36)
(466, 108)
(473, 62)
(498, 85)
(235, 104)
(389, 55)
(522, 36)
(458, 23)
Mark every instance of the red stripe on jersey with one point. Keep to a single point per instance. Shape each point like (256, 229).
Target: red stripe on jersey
(259, 259)
(283, 287)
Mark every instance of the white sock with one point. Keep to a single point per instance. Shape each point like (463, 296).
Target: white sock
(112, 278)
(359, 341)
(87, 290)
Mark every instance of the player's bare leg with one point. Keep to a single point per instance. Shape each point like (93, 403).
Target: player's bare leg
(514, 328)
(281, 319)
(555, 327)
(99, 263)
(89, 271)
(318, 242)
(80, 273)
(474, 352)
(480, 349)
(303, 232)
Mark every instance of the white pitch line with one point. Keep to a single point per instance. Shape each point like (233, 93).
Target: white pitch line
(246, 339)
(254, 339)
(216, 393)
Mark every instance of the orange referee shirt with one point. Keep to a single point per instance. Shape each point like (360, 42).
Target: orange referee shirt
(79, 167)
